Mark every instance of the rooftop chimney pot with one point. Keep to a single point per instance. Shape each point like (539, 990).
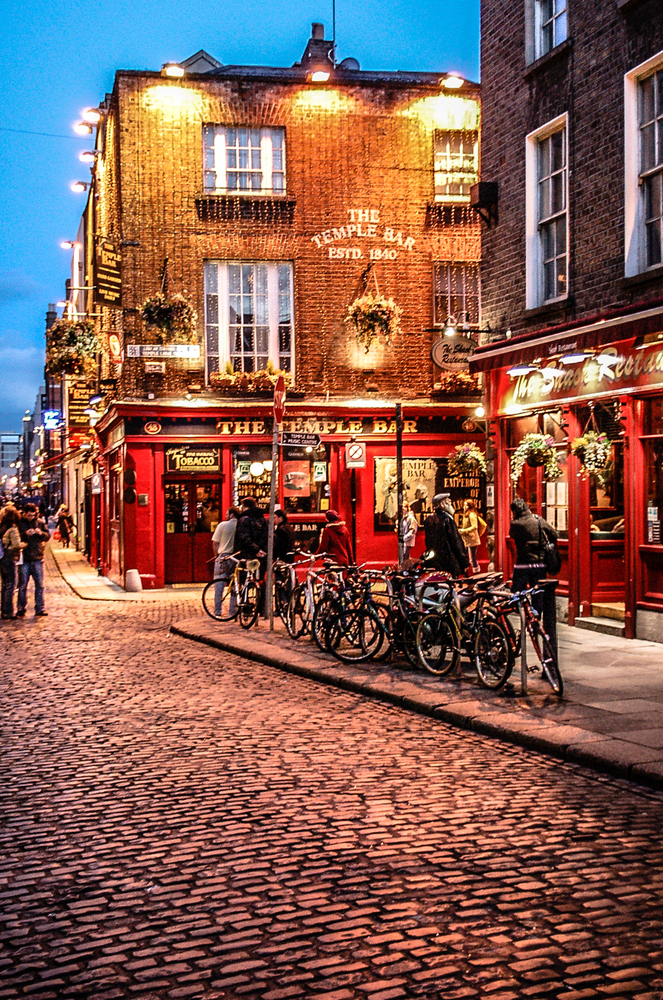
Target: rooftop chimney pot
(317, 30)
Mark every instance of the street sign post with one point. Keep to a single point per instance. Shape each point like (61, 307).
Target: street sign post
(279, 410)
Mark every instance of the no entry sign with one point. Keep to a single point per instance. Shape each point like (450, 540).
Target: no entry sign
(355, 455)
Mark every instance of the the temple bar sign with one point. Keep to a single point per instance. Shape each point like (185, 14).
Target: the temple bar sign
(107, 273)
(192, 458)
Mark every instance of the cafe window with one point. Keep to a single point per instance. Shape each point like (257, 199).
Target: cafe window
(653, 447)
(550, 499)
(304, 479)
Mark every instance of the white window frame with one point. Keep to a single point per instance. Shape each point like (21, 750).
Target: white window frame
(218, 167)
(223, 312)
(533, 248)
(635, 249)
(456, 172)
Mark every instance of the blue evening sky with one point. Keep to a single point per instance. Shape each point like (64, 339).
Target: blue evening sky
(59, 58)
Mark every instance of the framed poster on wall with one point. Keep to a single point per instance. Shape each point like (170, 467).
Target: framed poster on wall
(422, 479)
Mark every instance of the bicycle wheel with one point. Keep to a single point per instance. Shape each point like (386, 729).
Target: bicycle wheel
(249, 604)
(319, 622)
(546, 655)
(409, 637)
(297, 617)
(224, 605)
(438, 644)
(354, 635)
(492, 654)
(282, 591)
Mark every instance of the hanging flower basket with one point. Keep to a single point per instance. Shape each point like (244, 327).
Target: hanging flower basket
(466, 460)
(374, 317)
(536, 450)
(71, 346)
(171, 316)
(594, 452)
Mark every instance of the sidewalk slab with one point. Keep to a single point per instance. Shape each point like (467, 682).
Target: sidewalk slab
(610, 719)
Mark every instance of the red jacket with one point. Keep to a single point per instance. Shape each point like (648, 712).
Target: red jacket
(335, 543)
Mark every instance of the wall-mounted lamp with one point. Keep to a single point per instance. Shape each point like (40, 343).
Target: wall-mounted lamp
(70, 245)
(318, 75)
(521, 370)
(95, 399)
(89, 155)
(92, 116)
(79, 186)
(452, 81)
(575, 357)
(82, 128)
(450, 326)
(172, 69)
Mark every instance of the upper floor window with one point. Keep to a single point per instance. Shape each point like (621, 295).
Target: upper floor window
(650, 107)
(456, 286)
(550, 25)
(248, 315)
(547, 213)
(456, 165)
(244, 160)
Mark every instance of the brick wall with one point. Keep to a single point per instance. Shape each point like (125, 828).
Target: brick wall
(362, 146)
(585, 78)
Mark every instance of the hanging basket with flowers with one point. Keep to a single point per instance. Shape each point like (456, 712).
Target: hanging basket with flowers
(71, 346)
(536, 450)
(594, 451)
(466, 460)
(171, 316)
(374, 317)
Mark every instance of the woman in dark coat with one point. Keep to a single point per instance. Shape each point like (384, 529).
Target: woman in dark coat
(65, 526)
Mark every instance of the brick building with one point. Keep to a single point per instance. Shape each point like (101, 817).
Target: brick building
(273, 198)
(572, 286)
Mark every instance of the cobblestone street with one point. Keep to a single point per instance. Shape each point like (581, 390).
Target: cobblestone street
(179, 822)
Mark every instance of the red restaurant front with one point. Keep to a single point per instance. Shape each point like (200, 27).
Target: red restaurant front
(609, 524)
(171, 472)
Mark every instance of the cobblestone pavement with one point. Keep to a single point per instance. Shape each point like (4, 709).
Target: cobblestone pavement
(178, 822)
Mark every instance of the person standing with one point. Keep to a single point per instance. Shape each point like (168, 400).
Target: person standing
(335, 541)
(409, 528)
(529, 533)
(35, 534)
(444, 538)
(284, 543)
(223, 544)
(469, 530)
(65, 525)
(12, 545)
(252, 532)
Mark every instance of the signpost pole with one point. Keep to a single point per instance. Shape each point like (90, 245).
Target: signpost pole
(279, 409)
(399, 480)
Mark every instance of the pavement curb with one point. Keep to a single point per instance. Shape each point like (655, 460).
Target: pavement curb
(551, 742)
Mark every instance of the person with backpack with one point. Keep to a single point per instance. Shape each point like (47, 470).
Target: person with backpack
(471, 531)
(530, 534)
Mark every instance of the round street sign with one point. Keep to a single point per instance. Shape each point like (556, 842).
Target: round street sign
(279, 399)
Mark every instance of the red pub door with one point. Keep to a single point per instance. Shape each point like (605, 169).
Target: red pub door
(192, 514)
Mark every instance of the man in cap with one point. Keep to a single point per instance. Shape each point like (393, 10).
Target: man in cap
(444, 538)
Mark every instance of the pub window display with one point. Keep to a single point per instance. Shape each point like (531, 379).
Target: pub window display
(653, 444)
(422, 479)
(305, 480)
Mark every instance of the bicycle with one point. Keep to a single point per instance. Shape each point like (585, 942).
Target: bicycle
(504, 603)
(303, 599)
(237, 596)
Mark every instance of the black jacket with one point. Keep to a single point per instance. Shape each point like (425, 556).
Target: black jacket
(252, 533)
(283, 543)
(35, 543)
(444, 538)
(529, 534)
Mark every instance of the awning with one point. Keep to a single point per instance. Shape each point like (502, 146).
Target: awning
(546, 344)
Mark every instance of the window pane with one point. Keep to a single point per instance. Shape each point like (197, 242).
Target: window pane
(544, 158)
(653, 230)
(557, 150)
(648, 152)
(647, 100)
(558, 194)
(560, 28)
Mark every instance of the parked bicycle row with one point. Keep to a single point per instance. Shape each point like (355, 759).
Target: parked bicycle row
(428, 619)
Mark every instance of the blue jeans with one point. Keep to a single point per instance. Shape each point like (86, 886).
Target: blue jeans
(8, 568)
(35, 570)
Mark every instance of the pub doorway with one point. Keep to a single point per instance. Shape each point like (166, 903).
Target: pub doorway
(192, 508)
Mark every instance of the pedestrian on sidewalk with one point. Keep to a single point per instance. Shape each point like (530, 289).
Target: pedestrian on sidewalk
(335, 541)
(35, 534)
(529, 535)
(65, 525)
(223, 543)
(284, 543)
(469, 530)
(12, 548)
(409, 528)
(444, 539)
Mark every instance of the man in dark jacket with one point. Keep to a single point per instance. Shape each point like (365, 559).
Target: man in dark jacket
(252, 532)
(444, 538)
(34, 532)
(529, 535)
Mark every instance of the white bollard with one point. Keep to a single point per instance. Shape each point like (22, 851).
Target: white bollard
(132, 582)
